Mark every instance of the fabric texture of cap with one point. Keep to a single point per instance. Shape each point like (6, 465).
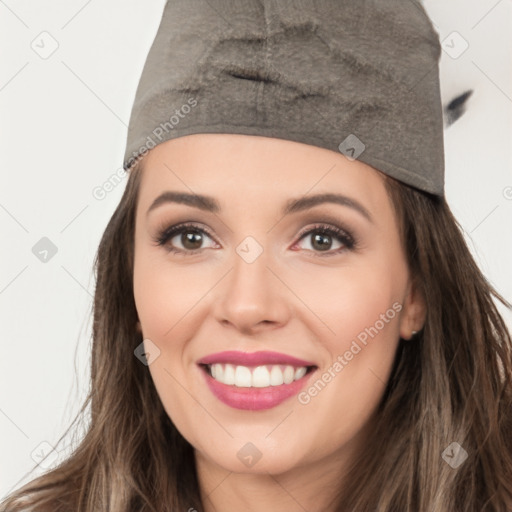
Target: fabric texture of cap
(359, 78)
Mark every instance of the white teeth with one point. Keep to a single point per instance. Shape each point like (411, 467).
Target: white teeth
(258, 377)
(289, 373)
(229, 374)
(300, 372)
(217, 371)
(276, 376)
(243, 377)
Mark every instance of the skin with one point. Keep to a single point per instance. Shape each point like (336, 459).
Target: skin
(288, 300)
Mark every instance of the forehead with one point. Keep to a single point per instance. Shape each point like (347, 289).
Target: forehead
(246, 167)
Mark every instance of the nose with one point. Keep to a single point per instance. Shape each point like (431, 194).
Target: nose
(252, 297)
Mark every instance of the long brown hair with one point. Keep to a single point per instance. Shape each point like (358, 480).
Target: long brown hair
(452, 383)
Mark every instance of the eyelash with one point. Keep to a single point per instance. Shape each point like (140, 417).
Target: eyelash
(345, 237)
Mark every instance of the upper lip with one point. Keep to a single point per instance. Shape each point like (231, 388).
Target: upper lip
(253, 358)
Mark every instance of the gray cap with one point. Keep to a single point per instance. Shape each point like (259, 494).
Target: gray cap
(357, 77)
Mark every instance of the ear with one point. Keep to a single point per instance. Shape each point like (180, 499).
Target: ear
(414, 311)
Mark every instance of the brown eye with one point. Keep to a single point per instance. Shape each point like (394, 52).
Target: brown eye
(322, 242)
(190, 237)
(322, 237)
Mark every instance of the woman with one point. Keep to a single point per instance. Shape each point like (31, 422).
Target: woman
(241, 361)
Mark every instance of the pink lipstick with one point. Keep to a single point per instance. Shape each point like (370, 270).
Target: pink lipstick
(287, 375)
(253, 358)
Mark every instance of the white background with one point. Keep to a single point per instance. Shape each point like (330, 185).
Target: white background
(63, 126)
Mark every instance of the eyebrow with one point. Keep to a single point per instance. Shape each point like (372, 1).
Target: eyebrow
(210, 204)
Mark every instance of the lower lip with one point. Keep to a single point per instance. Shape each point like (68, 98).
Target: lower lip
(254, 399)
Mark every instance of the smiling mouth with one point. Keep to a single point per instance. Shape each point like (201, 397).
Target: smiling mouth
(260, 376)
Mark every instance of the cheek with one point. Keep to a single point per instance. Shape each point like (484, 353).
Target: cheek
(164, 298)
(364, 306)
(345, 301)
(163, 292)
(366, 320)
(360, 310)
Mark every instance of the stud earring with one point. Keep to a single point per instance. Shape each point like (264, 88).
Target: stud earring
(414, 332)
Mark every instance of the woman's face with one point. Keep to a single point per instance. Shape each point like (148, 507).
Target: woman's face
(256, 273)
